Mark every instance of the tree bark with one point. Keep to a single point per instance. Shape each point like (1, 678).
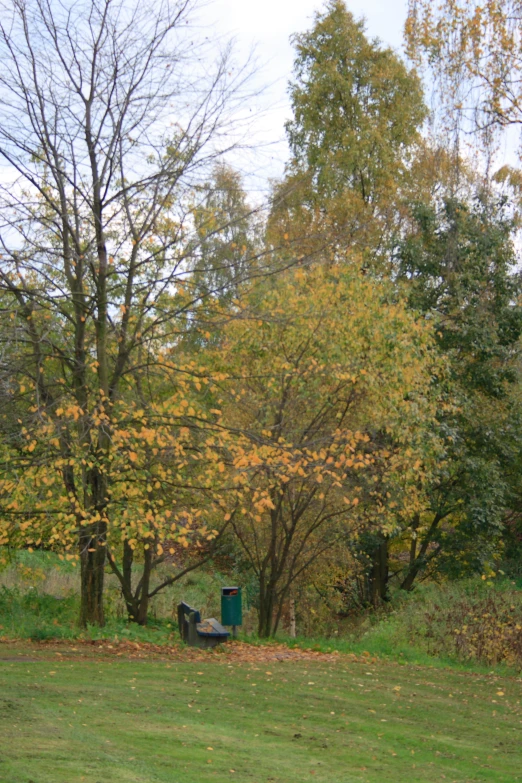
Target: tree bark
(266, 609)
(418, 561)
(379, 574)
(92, 560)
(144, 588)
(293, 631)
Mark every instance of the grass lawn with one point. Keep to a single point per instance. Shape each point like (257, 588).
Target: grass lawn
(71, 714)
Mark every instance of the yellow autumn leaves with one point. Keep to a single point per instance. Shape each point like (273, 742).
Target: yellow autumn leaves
(308, 414)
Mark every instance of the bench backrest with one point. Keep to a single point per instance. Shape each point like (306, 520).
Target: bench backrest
(186, 609)
(187, 616)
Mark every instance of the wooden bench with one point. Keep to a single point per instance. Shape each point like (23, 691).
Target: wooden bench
(198, 633)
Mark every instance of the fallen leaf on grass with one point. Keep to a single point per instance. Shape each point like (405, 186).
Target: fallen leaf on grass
(232, 652)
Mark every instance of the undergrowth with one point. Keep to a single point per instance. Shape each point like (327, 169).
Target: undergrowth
(469, 623)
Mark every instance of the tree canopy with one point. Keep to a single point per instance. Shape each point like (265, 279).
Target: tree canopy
(187, 373)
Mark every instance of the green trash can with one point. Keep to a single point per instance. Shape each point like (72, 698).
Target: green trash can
(231, 608)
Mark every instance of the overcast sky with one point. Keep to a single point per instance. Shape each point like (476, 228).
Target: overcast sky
(267, 25)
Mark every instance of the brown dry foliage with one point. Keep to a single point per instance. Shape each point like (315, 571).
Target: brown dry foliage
(486, 629)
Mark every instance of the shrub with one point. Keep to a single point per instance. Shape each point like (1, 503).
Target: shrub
(483, 628)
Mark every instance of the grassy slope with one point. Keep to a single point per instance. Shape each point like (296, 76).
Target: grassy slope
(66, 719)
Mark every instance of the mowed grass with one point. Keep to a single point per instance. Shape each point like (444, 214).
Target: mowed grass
(69, 715)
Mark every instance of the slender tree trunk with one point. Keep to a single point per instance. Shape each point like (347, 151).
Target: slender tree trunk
(407, 584)
(143, 606)
(93, 568)
(266, 609)
(137, 601)
(92, 563)
(379, 576)
(293, 631)
(92, 542)
(418, 560)
(126, 582)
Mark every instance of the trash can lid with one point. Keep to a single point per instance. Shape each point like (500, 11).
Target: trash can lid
(230, 590)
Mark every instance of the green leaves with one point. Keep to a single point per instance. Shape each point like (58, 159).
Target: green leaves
(457, 267)
(357, 111)
(326, 386)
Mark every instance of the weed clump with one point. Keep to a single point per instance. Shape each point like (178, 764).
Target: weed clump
(483, 628)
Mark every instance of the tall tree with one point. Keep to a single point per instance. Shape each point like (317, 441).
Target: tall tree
(459, 267)
(357, 113)
(312, 375)
(110, 114)
(227, 236)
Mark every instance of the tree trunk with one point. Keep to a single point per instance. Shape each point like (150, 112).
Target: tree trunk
(379, 575)
(126, 582)
(407, 584)
(293, 631)
(92, 560)
(418, 560)
(92, 541)
(144, 587)
(137, 601)
(266, 610)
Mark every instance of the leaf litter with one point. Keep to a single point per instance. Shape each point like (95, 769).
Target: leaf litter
(232, 652)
